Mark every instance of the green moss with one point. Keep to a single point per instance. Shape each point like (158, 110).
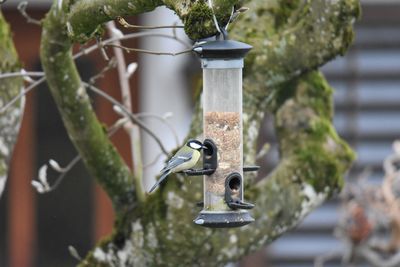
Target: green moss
(348, 38)
(284, 11)
(199, 21)
(283, 93)
(85, 17)
(319, 129)
(320, 168)
(311, 138)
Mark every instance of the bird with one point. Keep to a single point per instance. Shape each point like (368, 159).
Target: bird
(186, 158)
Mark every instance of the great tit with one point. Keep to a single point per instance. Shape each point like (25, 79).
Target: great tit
(186, 158)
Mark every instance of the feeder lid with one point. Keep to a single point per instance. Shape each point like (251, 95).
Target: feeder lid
(222, 49)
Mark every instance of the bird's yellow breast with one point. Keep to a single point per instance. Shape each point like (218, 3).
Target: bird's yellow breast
(188, 164)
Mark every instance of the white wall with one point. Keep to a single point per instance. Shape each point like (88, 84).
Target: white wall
(162, 88)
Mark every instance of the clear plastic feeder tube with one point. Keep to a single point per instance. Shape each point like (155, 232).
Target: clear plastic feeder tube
(222, 111)
(222, 63)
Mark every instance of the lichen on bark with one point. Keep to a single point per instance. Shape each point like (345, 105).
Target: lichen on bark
(9, 88)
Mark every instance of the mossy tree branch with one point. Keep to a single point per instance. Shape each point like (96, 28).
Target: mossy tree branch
(86, 17)
(85, 131)
(9, 88)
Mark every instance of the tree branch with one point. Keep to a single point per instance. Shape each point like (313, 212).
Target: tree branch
(131, 129)
(294, 37)
(85, 131)
(9, 89)
(86, 16)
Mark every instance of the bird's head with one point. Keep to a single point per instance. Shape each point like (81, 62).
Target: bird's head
(195, 144)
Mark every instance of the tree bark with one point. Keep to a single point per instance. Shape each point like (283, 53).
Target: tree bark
(10, 120)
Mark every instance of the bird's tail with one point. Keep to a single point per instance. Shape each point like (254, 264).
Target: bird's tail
(162, 178)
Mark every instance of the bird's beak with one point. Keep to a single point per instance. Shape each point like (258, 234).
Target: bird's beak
(204, 147)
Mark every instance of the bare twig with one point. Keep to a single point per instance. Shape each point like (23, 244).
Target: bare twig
(65, 170)
(20, 95)
(100, 46)
(124, 23)
(129, 49)
(21, 73)
(163, 120)
(131, 129)
(131, 116)
(127, 37)
(22, 9)
(112, 63)
(154, 161)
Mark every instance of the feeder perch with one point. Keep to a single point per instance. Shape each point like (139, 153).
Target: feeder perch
(222, 64)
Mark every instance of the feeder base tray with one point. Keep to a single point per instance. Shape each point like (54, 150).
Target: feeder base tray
(224, 219)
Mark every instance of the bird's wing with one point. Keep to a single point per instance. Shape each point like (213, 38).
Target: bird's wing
(162, 178)
(177, 160)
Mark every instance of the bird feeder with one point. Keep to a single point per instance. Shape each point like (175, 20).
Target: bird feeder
(222, 64)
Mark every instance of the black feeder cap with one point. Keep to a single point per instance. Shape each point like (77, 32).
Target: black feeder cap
(227, 219)
(223, 49)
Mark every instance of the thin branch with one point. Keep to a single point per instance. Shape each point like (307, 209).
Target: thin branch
(163, 120)
(100, 46)
(131, 129)
(129, 49)
(22, 9)
(131, 116)
(127, 37)
(124, 23)
(20, 95)
(112, 63)
(64, 171)
(154, 161)
(21, 73)
(81, 53)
